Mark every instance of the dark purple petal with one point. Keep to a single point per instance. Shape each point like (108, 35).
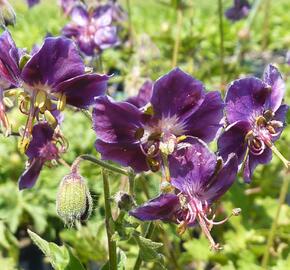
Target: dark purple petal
(254, 160)
(232, 140)
(9, 60)
(71, 30)
(246, 99)
(191, 165)
(30, 175)
(126, 154)
(32, 3)
(56, 61)
(116, 122)
(79, 15)
(143, 96)
(273, 77)
(176, 93)
(80, 91)
(221, 181)
(206, 121)
(163, 208)
(239, 11)
(41, 134)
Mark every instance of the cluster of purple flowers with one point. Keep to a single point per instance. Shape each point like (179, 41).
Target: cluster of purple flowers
(167, 125)
(46, 82)
(94, 29)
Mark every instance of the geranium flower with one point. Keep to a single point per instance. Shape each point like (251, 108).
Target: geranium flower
(239, 11)
(54, 75)
(179, 108)
(256, 118)
(9, 73)
(42, 148)
(92, 30)
(200, 178)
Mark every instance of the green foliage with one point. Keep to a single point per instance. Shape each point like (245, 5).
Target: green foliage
(61, 258)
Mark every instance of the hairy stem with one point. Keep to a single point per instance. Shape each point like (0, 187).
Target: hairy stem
(109, 223)
(148, 234)
(101, 163)
(282, 197)
(132, 177)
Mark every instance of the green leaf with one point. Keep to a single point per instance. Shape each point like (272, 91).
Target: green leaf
(148, 249)
(61, 258)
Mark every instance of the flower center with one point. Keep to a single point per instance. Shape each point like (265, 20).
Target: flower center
(265, 129)
(159, 136)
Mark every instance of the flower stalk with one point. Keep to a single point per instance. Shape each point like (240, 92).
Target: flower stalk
(148, 234)
(109, 223)
(282, 197)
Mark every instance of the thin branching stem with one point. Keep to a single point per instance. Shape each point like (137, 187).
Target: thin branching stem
(148, 234)
(109, 223)
(282, 197)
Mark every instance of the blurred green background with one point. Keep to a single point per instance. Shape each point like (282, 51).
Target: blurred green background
(154, 25)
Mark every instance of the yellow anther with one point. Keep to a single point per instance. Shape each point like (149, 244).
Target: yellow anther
(40, 99)
(61, 103)
(8, 102)
(181, 138)
(50, 118)
(149, 110)
(12, 92)
(23, 144)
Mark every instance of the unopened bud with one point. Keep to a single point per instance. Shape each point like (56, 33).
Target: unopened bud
(74, 201)
(124, 201)
(7, 13)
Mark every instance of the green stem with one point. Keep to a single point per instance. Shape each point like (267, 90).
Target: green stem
(101, 163)
(266, 24)
(282, 197)
(177, 36)
(109, 223)
(222, 49)
(148, 234)
(132, 184)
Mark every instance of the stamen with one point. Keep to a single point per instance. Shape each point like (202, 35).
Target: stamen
(235, 212)
(61, 102)
(215, 246)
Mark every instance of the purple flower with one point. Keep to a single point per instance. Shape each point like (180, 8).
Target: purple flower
(32, 3)
(92, 31)
(239, 11)
(41, 149)
(179, 108)
(256, 119)
(9, 73)
(199, 178)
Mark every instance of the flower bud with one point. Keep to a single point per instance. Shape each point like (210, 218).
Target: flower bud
(74, 201)
(7, 13)
(124, 201)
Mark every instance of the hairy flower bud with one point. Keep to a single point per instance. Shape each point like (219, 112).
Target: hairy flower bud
(124, 201)
(7, 14)
(74, 201)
